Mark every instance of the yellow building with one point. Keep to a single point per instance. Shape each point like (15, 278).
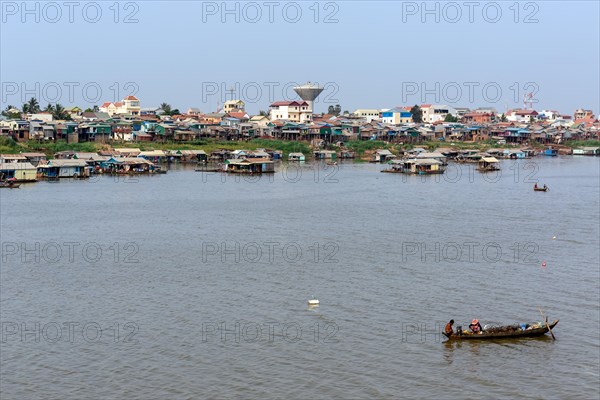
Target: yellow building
(21, 172)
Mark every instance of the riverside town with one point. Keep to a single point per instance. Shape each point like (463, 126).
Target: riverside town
(125, 138)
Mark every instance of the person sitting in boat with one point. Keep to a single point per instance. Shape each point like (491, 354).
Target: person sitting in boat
(475, 326)
(448, 329)
(535, 186)
(545, 187)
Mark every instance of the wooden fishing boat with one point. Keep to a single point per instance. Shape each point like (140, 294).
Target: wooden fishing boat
(9, 185)
(540, 189)
(504, 332)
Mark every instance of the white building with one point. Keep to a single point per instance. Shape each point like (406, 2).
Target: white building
(367, 113)
(436, 112)
(129, 105)
(233, 105)
(550, 115)
(520, 115)
(43, 116)
(396, 116)
(295, 111)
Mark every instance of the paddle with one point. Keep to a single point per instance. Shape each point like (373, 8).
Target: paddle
(547, 324)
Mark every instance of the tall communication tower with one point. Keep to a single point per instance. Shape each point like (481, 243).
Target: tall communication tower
(528, 99)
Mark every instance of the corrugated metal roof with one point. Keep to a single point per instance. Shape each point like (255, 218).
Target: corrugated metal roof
(67, 163)
(16, 166)
(489, 159)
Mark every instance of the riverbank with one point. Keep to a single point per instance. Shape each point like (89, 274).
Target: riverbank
(9, 146)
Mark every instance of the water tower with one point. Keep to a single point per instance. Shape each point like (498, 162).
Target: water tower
(309, 93)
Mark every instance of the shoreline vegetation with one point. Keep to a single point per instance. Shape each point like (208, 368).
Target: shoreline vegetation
(361, 148)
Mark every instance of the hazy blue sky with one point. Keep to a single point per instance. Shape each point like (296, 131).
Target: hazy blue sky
(372, 54)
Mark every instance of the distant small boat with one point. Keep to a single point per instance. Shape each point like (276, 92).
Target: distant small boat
(332, 163)
(541, 189)
(502, 332)
(313, 302)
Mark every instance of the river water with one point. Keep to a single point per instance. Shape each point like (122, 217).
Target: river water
(195, 285)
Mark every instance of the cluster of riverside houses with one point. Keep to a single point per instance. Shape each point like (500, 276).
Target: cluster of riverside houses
(30, 167)
(126, 121)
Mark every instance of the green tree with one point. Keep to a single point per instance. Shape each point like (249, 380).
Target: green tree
(59, 112)
(89, 110)
(96, 109)
(49, 108)
(334, 110)
(11, 115)
(263, 113)
(503, 118)
(450, 118)
(166, 108)
(33, 106)
(417, 114)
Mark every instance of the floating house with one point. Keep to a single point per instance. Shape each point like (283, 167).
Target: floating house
(488, 164)
(417, 166)
(13, 158)
(35, 158)
(514, 154)
(587, 151)
(127, 165)
(381, 156)
(65, 168)
(296, 157)
(249, 166)
(433, 155)
(18, 171)
(324, 154)
(126, 152)
(154, 156)
(199, 156)
(468, 157)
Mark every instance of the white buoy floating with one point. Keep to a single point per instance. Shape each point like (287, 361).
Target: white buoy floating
(313, 302)
(553, 237)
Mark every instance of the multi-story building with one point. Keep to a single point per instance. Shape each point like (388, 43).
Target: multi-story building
(436, 112)
(295, 111)
(550, 115)
(583, 114)
(520, 115)
(396, 116)
(368, 114)
(130, 105)
(233, 106)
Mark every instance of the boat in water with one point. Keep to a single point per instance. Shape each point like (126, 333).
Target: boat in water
(504, 332)
(9, 184)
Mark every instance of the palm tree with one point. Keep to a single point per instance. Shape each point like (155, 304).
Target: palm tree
(25, 108)
(166, 108)
(59, 112)
(8, 113)
(49, 108)
(33, 106)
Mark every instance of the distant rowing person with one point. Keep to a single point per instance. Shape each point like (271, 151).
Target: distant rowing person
(448, 329)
